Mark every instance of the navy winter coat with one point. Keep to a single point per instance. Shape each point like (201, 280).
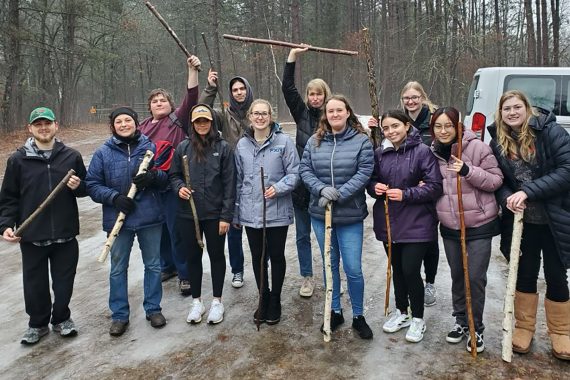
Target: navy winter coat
(345, 161)
(551, 186)
(414, 219)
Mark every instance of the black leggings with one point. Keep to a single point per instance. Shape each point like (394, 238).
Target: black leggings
(274, 251)
(537, 238)
(431, 261)
(406, 264)
(187, 244)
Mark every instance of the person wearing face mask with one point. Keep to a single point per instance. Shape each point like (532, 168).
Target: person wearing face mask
(234, 124)
(266, 146)
(336, 166)
(406, 173)
(211, 166)
(306, 113)
(533, 152)
(481, 176)
(113, 168)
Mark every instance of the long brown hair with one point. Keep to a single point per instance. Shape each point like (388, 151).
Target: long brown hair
(200, 144)
(523, 146)
(324, 125)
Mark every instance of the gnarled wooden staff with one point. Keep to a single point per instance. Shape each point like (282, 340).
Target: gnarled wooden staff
(470, 321)
(263, 239)
(153, 10)
(509, 305)
(287, 44)
(375, 134)
(389, 267)
(121, 217)
(51, 196)
(328, 274)
(191, 200)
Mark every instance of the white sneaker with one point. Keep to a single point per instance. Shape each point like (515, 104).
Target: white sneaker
(416, 331)
(216, 314)
(307, 287)
(196, 311)
(396, 321)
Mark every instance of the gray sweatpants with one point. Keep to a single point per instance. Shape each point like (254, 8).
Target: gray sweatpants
(479, 255)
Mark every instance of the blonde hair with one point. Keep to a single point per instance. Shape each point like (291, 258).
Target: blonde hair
(261, 101)
(319, 85)
(324, 125)
(523, 146)
(413, 85)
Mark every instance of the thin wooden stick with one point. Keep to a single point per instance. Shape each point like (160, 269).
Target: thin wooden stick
(121, 217)
(328, 274)
(191, 200)
(375, 134)
(262, 264)
(470, 320)
(51, 196)
(509, 305)
(389, 266)
(287, 44)
(153, 10)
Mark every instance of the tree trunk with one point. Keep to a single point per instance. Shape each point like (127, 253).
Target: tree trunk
(68, 98)
(545, 55)
(555, 9)
(216, 8)
(538, 34)
(12, 99)
(498, 35)
(531, 39)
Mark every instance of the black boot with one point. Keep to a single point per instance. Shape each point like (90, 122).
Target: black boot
(274, 310)
(337, 319)
(262, 317)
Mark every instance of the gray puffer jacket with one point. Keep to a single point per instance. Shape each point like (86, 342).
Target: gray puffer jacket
(280, 162)
(345, 161)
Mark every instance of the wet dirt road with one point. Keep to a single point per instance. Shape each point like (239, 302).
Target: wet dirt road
(234, 349)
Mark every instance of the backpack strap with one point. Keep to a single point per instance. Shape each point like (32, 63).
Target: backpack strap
(175, 121)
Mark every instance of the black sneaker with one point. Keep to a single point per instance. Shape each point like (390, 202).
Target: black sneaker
(118, 328)
(360, 325)
(337, 319)
(274, 310)
(260, 317)
(185, 289)
(480, 343)
(157, 320)
(457, 334)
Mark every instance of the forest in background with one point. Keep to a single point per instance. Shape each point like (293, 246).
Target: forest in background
(73, 55)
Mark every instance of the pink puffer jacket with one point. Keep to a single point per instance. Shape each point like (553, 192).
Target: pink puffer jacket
(477, 186)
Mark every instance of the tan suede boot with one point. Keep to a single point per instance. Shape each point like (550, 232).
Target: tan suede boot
(525, 316)
(558, 321)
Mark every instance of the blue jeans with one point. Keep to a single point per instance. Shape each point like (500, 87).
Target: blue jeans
(235, 249)
(170, 260)
(303, 228)
(149, 243)
(346, 239)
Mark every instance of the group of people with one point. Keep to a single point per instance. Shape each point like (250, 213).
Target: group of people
(217, 172)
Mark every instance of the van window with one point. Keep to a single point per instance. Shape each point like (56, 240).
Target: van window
(541, 91)
(471, 96)
(565, 98)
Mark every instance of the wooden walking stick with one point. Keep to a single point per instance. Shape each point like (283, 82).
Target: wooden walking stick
(328, 274)
(287, 44)
(262, 266)
(121, 217)
(153, 10)
(389, 267)
(191, 200)
(375, 135)
(470, 321)
(509, 305)
(51, 196)
(219, 90)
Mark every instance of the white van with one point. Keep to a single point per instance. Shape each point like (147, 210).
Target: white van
(546, 87)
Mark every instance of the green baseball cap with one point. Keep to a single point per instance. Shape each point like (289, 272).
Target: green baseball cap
(42, 113)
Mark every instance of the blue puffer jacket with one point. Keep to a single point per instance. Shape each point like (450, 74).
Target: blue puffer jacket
(110, 173)
(345, 161)
(280, 162)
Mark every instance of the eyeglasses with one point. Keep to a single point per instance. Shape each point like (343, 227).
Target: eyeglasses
(414, 98)
(440, 127)
(260, 114)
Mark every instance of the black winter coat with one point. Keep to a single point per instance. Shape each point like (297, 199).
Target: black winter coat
(551, 185)
(28, 181)
(307, 120)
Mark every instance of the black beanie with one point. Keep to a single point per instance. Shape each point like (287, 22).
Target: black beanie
(123, 111)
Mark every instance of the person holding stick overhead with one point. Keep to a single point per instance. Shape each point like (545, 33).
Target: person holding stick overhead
(336, 166)
(32, 173)
(265, 147)
(481, 177)
(235, 124)
(406, 172)
(109, 178)
(533, 152)
(306, 113)
(211, 167)
(170, 124)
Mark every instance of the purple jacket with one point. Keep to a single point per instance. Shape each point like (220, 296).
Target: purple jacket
(478, 186)
(413, 219)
